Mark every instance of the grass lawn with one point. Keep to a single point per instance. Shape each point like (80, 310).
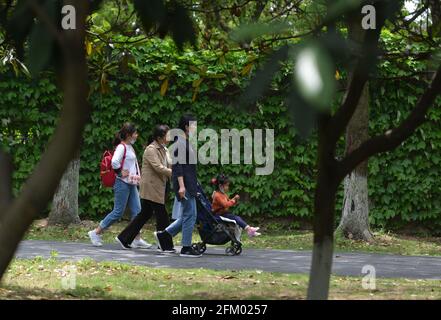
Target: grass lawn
(42, 279)
(271, 238)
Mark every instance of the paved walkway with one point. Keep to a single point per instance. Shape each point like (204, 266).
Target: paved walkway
(285, 261)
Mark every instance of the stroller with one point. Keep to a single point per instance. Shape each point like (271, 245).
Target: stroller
(215, 230)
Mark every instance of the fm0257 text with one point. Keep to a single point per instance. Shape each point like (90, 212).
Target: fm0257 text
(222, 309)
(240, 309)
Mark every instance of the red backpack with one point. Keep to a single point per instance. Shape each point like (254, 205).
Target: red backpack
(107, 173)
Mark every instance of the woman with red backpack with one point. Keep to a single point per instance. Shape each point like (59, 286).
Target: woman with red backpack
(156, 172)
(125, 165)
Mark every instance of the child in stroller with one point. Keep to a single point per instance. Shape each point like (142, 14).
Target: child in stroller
(222, 203)
(215, 229)
(219, 229)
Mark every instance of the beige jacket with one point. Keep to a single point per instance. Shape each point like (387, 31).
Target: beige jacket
(156, 169)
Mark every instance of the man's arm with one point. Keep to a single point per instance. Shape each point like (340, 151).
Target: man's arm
(181, 187)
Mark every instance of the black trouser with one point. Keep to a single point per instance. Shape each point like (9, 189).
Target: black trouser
(147, 209)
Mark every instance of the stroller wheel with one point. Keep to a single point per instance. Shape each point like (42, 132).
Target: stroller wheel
(238, 250)
(199, 247)
(231, 251)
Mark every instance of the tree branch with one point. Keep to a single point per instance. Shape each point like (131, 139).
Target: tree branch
(393, 138)
(260, 6)
(417, 13)
(191, 7)
(284, 12)
(359, 77)
(128, 42)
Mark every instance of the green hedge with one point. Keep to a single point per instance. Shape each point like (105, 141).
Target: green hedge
(403, 185)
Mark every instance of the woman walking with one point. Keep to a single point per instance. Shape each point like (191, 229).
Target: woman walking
(185, 186)
(156, 170)
(125, 164)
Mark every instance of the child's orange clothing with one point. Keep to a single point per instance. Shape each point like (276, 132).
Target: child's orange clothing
(221, 202)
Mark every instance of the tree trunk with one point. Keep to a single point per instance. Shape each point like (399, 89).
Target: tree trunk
(355, 215)
(354, 222)
(435, 9)
(6, 168)
(65, 204)
(331, 172)
(42, 184)
(321, 264)
(324, 213)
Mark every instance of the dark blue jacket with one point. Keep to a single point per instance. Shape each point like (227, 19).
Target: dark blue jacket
(184, 165)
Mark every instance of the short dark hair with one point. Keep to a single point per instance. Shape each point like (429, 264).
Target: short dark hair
(159, 131)
(185, 121)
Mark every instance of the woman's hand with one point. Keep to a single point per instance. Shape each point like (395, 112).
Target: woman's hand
(182, 192)
(125, 173)
(236, 197)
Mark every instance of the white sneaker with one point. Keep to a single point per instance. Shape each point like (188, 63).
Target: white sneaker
(140, 244)
(95, 238)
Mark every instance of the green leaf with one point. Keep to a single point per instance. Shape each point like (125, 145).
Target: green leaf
(95, 5)
(151, 12)
(302, 114)
(248, 32)
(20, 25)
(340, 7)
(261, 81)
(182, 27)
(41, 41)
(314, 76)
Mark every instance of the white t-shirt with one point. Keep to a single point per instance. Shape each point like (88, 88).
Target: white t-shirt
(130, 163)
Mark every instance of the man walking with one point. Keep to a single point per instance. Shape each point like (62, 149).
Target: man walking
(184, 181)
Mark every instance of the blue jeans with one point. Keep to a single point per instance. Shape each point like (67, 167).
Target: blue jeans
(125, 195)
(240, 222)
(185, 222)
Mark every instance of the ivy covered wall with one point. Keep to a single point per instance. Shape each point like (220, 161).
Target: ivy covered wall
(156, 85)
